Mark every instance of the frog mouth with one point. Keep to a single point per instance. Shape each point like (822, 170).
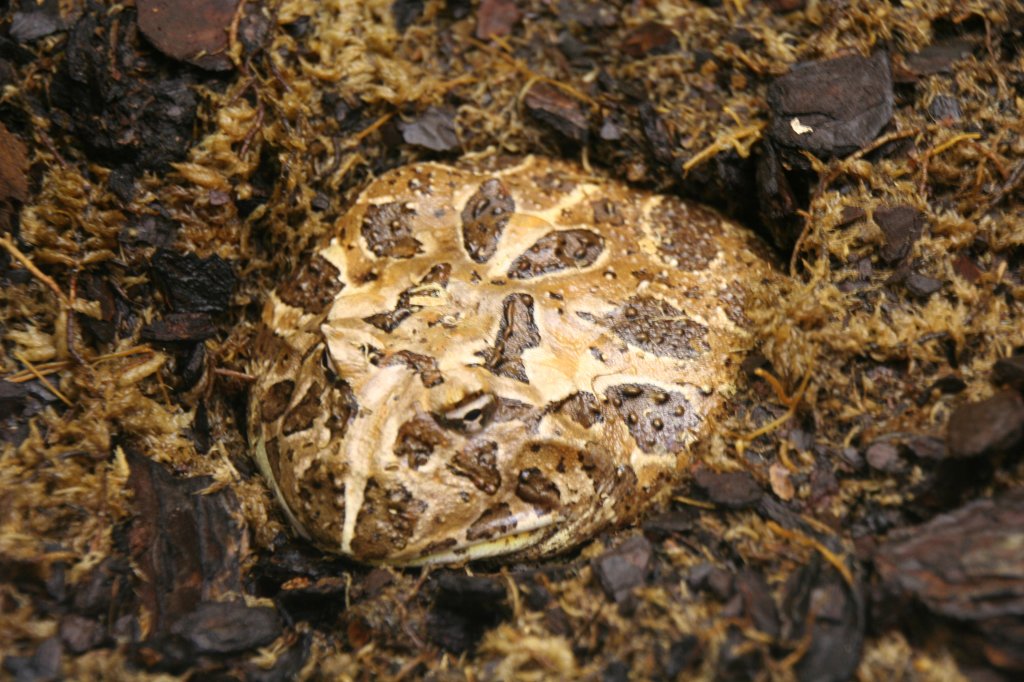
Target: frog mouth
(509, 544)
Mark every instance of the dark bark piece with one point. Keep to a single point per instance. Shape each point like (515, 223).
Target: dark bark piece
(819, 605)
(967, 566)
(81, 634)
(670, 523)
(831, 108)
(559, 111)
(227, 627)
(36, 21)
(945, 109)
(556, 251)
(851, 215)
(783, 6)
(732, 489)
(922, 286)
(388, 228)
(434, 129)
(757, 602)
(517, 331)
(13, 167)
(1010, 372)
(937, 58)
(901, 226)
(712, 579)
(988, 427)
(43, 665)
(496, 18)
(193, 31)
(656, 418)
(484, 219)
(656, 133)
(186, 543)
(779, 200)
(193, 284)
(176, 327)
(404, 308)
(314, 287)
(649, 38)
(621, 569)
(119, 102)
(464, 608)
(405, 13)
(12, 398)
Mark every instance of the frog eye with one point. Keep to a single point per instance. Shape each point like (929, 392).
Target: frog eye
(469, 415)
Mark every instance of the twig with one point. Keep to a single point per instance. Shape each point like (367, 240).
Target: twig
(27, 263)
(43, 380)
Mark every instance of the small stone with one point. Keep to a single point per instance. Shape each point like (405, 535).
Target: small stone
(433, 130)
(621, 569)
(884, 457)
(782, 484)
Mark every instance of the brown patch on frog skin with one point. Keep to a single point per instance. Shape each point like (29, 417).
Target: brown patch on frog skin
(607, 212)
(302, 416)
(558, 250)
(516, 332)
(314, 287)
(484, 219)
(389, 321)
(417, 439)
(624, 492)
(343, 406)
(658, 328)
(424, 366)
(276, 400)
(583, 408)
(655, 417)
(692, 249)
(495, 521)
(322, 504)
(537, 489)
(387, 520)
(478, 462)
(439, 546)
(387, 229)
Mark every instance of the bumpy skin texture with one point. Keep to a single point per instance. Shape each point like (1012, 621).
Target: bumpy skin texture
(496, 362)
